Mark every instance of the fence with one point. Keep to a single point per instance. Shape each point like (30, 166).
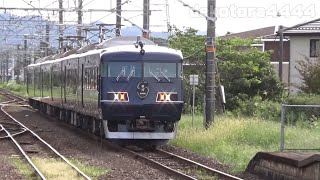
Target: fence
(304, 117)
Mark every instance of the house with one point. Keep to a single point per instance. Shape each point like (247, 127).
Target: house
(304, 43)
(267, 40)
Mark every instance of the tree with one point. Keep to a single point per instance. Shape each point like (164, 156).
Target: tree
(244, 71)
(193, 49)
(310, 71)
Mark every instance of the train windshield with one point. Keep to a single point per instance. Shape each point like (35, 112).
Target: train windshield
(161, 70)
(120, 70)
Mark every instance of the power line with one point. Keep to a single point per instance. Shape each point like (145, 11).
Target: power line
(68, 9)
(198, 12)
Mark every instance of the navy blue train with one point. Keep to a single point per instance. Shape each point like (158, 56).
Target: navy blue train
(123, 88)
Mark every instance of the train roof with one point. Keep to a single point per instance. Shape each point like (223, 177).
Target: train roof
(113, 45)
(147, 48)
(124, 40)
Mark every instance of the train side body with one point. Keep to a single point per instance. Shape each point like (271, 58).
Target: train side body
(135, 95)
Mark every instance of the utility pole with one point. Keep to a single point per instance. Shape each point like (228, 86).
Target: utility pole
(47, 39)
(61, 27)
(118, 18)
(79, 33)
(168, 18)
(146, 18)
(16, 65)
(281, 51)
(25, 47)
(210, 64)
(1, 66)
(7, 67)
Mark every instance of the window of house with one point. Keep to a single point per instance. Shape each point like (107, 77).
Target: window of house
(314, 47)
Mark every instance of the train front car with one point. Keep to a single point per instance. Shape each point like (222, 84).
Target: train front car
(141, 91)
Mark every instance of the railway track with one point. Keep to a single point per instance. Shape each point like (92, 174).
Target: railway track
(180, 167)
(177, 166)
(26, 141)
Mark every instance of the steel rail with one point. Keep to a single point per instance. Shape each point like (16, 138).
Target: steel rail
(158, 165)
(23, 153)
(48, 145)
(198, 165)
(13, 135)
(162, 167)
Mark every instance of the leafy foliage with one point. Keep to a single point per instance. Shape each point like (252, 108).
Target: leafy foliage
(244, 71)
(304, 99)
(256, 107)
(193, 49)
(310, 72)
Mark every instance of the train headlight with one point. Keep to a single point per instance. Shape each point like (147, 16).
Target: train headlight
(118, 96)
(167, 97)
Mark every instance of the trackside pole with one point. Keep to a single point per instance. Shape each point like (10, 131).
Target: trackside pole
(193, 99)
(210, 64)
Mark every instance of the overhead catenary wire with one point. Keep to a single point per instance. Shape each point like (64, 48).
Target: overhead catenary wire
(197, 11)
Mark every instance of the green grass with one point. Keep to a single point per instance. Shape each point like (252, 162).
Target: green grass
(94, 172)
(56, 169)
(15, 88)
(23, 168)
(235, 141)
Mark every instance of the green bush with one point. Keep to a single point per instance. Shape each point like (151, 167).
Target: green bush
(256, 107)
(13, 86)
(304, 99)
(243, 70)
(309, 69)
(246, 72)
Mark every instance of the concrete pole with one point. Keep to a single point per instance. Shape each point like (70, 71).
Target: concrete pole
(47, 39)
(118, 19)
(281, 51)
(80, 14)
(1, 71)
(60, 27)
(7, 67)
(17, 65)
(25, 47)
(210, 65)
(146, 18)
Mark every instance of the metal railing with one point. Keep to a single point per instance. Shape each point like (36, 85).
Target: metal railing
(305, 116)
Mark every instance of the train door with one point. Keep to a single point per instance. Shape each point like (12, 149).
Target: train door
(99, 83)
(78, 83)
(65, 84)
(41, 81)
(26, 72)
(61, 82)
(82, 79)
(51, 80)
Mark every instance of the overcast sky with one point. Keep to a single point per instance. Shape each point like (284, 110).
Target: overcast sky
(233, 15)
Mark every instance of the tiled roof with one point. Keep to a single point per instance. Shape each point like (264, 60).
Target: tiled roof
(256, 33)
(310, 27)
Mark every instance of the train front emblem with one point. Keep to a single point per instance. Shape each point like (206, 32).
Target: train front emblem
(142, 89)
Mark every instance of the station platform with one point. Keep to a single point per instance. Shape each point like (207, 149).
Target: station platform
(285, 165)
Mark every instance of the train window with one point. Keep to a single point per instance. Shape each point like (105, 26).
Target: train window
(164, 70)
(123, 69)
(104, 69)
(179, 69)
(90, 77)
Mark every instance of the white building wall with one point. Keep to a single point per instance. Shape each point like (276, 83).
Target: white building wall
(299, 49)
